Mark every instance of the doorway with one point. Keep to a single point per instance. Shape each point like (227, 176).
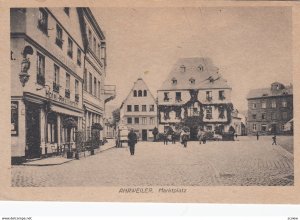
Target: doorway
(144, 135)
(33, 131)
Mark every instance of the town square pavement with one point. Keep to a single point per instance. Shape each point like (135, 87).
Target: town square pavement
(242, 162)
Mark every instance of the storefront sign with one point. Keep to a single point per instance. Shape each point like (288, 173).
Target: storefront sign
(14, 118)
(59, 98)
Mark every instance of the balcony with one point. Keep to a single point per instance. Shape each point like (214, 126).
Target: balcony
(55, 87)
(109, 93)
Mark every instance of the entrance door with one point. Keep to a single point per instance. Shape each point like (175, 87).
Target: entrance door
(144, 135)
(33, 131)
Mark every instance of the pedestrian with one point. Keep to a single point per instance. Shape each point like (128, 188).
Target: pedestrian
(235, 135)
(184, 138)
(166, 138)
(173, 138)
(199, 135)
(132, 140)
(204, 138)
(257, 135)
(274, 140)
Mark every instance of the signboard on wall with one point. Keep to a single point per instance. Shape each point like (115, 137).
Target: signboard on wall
(14, 118)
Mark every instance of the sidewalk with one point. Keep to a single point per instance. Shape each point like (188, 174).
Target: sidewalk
(59, 160)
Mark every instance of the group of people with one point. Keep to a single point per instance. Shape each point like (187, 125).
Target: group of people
(273, 138)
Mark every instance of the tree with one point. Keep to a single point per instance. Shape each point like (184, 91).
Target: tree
(116, 117)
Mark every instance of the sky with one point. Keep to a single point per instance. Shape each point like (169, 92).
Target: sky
(252, 46)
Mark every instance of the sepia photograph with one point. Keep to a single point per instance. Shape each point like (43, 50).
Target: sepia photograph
(139, 96)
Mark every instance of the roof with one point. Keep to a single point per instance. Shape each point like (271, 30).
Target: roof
(268, 92)
(201, 69)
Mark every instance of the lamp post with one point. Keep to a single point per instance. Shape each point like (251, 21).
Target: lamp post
(47, 106)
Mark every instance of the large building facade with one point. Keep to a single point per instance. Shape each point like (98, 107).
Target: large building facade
(194, 94)
(139, 111)
(269, 109)
(47, 74)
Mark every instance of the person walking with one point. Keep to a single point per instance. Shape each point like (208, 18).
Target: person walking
(166, 138)
(199, 135)
(184, 138)
(173, 138)
(257, 135)
(132, 140)
(274, 140)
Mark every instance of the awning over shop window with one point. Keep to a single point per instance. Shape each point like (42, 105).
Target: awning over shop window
(66, 111)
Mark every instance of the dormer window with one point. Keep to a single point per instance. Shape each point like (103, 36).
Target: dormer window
(174, 81)
(182, 68)
(192, 81)
(200, 67)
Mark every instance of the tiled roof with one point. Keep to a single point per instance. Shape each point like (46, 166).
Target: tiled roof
(268, 92)
(201, 69)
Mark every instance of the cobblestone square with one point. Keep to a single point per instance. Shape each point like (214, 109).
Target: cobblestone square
(246, 162)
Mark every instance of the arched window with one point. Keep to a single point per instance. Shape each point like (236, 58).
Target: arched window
(145, 92)
(140, 93)
(134, 93)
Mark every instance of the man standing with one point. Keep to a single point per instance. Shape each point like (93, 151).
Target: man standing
(274, 140)
(166, 138)
(132, 139)
(257, 136)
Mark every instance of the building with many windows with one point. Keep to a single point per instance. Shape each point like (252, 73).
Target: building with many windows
(194, 95)
(48, 53)
(95, 92)
(269, 109)
(139, 111)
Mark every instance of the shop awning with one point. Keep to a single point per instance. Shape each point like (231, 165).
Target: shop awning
(66, 111)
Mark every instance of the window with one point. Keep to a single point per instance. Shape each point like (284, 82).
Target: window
(76, 90)
(67, 10)
(59, 36)
(263, 116)
(140, 93)
(182, 68)
(282, 127)
(254, 127)
(174, 81)
(166, 96)
(129, 108)
(263, 127)
(85, 80)
(144, 120)
(90, 38)
(129, 120)
(221, 112)
(98, 51)
(99, 89)
(221, 95)
(145, 92)
(90, 83)
(94, 45)
(144, 108)
(79, 57)
(263, 105)
(178, 97)
(284, 115)
(200, 67)
(273, 116)
(208, 95)
(136, 108)
(134, 93)
(253, 105)
(273, 104)
(67, 91)
(56, 78)
(284, 103)
(152, 122)
(136, 120)
(151, 108)
(102, 53)
(40, 69)
(209, 113)
(209, 128)
(95, 86)
(192, 81)
(43, 21)
(70, 47)
(51, 134)
(254, 116)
